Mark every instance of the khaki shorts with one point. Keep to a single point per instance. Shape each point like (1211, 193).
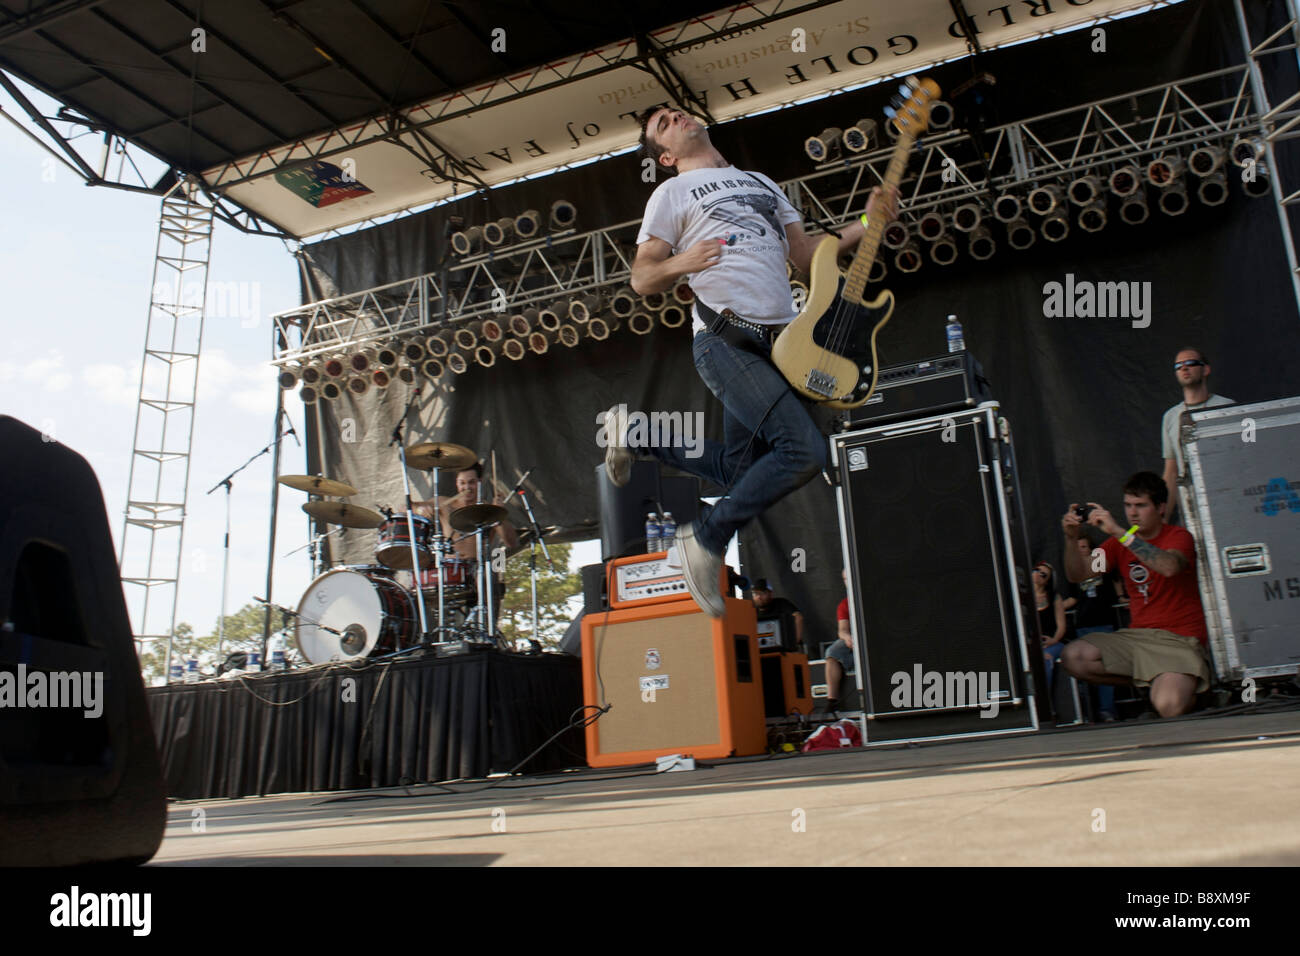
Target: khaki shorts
(1144, 653)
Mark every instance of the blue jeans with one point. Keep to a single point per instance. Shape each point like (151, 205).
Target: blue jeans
(1105, 692)
(787, 451)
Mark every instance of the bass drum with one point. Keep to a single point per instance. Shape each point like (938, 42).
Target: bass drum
(371, 613)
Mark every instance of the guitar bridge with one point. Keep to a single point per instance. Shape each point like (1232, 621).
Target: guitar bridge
(820, 383)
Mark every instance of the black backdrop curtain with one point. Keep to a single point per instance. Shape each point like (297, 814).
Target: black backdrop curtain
(1084, 396)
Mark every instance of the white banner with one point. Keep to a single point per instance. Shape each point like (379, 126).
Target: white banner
(840, 45)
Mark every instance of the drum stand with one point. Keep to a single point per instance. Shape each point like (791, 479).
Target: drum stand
(410, 531)
(532, 558)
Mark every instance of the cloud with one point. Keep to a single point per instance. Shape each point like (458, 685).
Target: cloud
(47, 372)
(112, 384)
(245, 387)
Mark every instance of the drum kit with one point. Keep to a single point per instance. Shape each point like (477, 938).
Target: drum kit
(356, 611)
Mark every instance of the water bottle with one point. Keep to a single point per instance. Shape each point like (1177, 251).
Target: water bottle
(956, 342)
(277, 653)
(254, 665)
(192, 671)
(176, 673)
(652, 533)
(667, 532)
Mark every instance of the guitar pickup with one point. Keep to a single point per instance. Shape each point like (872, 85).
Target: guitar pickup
(820, 383)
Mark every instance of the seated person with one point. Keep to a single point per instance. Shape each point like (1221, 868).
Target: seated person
(767, 607)
(839, 656)
(1051, 616)
(1165, 647)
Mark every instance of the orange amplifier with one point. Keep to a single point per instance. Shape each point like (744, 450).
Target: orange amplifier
(787, 687)
(649, 579)
(676, 681)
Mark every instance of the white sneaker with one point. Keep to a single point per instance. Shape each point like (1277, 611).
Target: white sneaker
(700, 569)
(618, 457)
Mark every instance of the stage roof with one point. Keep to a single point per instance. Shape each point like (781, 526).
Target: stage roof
(313, 114)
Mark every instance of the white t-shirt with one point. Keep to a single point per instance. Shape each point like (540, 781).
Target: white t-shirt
(750, 213)
(1170, 446)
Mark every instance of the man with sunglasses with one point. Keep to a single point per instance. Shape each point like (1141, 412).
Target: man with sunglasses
(1191, 368)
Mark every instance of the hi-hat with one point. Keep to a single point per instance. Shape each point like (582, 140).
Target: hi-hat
(340, 512)
(319, 486)
(473, 517)
(440, 454)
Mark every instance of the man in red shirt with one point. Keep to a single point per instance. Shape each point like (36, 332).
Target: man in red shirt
(1165, 646)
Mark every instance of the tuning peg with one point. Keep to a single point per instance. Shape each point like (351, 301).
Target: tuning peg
(911, 83)
(904, 91)
(891, 112)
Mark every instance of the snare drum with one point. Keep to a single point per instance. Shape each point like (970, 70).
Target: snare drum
(371, 612)
(457, 578)
(394, 547)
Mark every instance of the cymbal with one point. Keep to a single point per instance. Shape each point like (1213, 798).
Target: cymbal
(318, 485)
(340, 512)
(439, 454)
(473, 517)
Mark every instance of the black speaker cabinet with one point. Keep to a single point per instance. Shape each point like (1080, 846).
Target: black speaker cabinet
(623, 510)
(76, 786)
(939, 596)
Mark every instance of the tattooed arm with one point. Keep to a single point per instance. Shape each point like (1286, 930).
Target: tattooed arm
(1166, 563)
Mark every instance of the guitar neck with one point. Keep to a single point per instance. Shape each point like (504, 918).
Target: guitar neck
(855, 282)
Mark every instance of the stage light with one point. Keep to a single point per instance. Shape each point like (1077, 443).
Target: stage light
(623, 303)
(1206, 161)
(538, 342)
(981, 245)
(513, 349)
(1020, 235)
(1085, 190)
(1125, 181)
(334, 367)
(521, 324)
(655, 301)
(406, 374)
(601, 329)
(943, 251)
(361, 361)
(878, 270)
(456, 363)
(1213, 189)
(387, 356)
(432, 368)
(359, 384)
(330, 391)
(493, 328)
(1246, 150)
(528, 224)
(824, 145)
(1092, 217)
(1006, 208)
(1134, 209)
(583, 308)
(1055, 226)
(468, 241)
(672, 315)
(930, 227)
(563, 214)
(466, 337)
(1256, 185)
(567, 336)
(1044, 199)
(380, 378)
(308, 394)
(312, 373)
(1163, 171)
(683, 293)
(641, 323)
(861, 136)
(895, 234)
(495, 233)
(548, 318)
(1173, 200)
(909, 257)
(941, 114)
(485, 355)
(436, 345)
(287, 377)
(967, 217)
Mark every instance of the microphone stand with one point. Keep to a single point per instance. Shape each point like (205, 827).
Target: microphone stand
(537, 539)
(228, 483)
(410, 522)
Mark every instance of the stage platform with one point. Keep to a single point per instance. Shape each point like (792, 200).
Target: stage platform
(1202, 790)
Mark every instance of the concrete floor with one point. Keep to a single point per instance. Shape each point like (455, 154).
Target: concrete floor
(1199, 791)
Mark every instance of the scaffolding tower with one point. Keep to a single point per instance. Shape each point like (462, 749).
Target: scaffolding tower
(153, 531)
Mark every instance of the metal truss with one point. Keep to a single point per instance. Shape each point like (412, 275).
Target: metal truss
(1277, 124)
(153, 527)
(949, 170)
(644, 53)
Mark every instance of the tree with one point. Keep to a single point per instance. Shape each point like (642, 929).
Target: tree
(243, 633)
(554, 588)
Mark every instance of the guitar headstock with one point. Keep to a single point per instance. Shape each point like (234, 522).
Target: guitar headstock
(911, 116)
